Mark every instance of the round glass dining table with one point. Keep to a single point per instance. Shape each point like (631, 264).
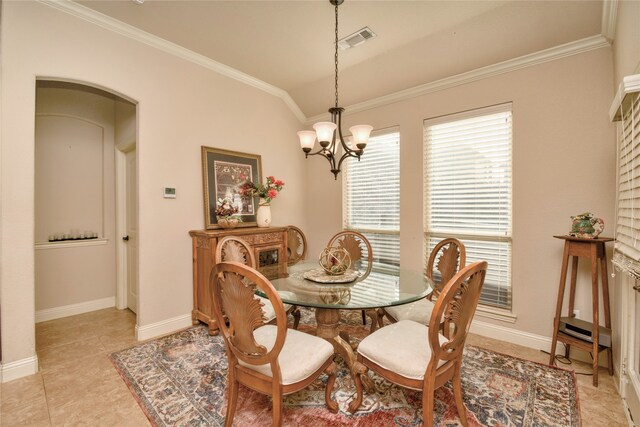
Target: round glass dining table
(373, 288)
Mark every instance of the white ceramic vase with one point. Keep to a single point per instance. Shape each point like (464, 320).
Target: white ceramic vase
(263, 216)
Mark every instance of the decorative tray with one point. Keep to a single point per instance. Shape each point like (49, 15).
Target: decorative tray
(320, 276)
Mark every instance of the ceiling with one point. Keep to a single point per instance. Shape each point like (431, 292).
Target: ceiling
(289, 44)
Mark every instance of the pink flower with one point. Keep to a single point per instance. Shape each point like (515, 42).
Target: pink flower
(271, 178)
(279, 183)
(272, 194)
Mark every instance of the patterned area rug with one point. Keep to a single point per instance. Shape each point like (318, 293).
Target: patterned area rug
(179, 380)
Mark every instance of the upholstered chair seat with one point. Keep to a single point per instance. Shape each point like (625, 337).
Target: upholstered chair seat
(419, 311)
(400, 348)
(445, 260)
(301, 355)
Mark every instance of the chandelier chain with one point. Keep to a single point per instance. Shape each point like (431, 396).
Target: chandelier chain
(336, 54)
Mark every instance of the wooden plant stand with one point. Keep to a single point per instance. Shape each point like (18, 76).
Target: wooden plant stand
(593, 250)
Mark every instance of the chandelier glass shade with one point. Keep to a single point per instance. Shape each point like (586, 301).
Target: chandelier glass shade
(329, 134)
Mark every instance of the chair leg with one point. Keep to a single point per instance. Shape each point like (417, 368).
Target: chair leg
(457, 394)
(232, 399)
(428, 397)
(277, 409)
(357, 401)
(374, 320)
(296, 317)
(364, 318)
(332, 371)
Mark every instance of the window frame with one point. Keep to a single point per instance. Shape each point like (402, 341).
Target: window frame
(504, 312)
(367, 231)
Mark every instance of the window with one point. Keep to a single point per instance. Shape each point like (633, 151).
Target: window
(467, 191)
(627, 251)
(371, 198)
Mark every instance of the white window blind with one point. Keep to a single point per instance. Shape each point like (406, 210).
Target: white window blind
(371, 198)
(467, 191)
(627, 251)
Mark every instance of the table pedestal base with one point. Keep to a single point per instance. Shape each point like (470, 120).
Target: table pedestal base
(328, 321)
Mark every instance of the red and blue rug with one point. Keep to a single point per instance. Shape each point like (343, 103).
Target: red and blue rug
(180, 380)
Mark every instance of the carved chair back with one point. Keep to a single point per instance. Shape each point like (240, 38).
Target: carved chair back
(358, 247)
(445, 260)
(296, 245)
(233, 295)
(455, 308)
(232, 248)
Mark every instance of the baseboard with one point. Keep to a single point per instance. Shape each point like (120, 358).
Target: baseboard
(163, 327)
(18, 369)
(526, 339)
(514, 336)
(73, 309)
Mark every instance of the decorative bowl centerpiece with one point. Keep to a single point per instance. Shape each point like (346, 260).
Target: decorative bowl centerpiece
(335, 261)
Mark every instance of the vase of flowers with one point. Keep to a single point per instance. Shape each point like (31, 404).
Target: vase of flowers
(266, 192)
(227, 214)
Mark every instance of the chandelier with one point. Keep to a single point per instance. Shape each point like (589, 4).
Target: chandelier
(329, 134)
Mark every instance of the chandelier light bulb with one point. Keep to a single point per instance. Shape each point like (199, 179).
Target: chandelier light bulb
(360, 135)
(324, 132)
(307, 140)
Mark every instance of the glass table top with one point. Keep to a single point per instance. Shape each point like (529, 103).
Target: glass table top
(377, 289)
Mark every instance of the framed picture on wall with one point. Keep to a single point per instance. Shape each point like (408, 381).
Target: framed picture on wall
(223, 172)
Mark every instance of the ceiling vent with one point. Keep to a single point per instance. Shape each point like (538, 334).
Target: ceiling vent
(356, 38)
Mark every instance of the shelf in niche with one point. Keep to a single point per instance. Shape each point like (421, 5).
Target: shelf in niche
(71, 243)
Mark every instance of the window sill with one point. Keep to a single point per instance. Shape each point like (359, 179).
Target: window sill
(496, 314)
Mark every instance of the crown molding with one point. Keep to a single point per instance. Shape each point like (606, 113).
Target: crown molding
(149, 39)
(609, 18)
(547, 55)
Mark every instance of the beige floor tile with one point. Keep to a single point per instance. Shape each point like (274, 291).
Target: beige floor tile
(107, 397)
(24, 402)
(69, 355)
(54, 336)
(118, 340)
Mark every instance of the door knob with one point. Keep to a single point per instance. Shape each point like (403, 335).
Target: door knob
(125, 238)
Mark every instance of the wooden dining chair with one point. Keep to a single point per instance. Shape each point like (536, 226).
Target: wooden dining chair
(421, 357)
(361, 256)
(233, 248)
(445, 260)
(270, 359)
(296, 245)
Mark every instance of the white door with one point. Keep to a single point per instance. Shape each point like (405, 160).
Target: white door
(630, 381)
(132, 231)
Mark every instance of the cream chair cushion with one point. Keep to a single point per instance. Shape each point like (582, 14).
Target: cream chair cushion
(267, 308)
(401, 347)
(419, 311)
(301, 355)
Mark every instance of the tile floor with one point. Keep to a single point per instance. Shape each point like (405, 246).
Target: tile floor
(77, 384)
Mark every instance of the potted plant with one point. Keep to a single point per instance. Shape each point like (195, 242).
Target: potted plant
(227, 214)
(266, 192)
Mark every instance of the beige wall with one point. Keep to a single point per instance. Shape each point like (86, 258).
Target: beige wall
(74, 190)
(181, 106)
(563, 164)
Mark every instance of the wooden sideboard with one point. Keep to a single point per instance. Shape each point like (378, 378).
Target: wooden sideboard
(270, 250)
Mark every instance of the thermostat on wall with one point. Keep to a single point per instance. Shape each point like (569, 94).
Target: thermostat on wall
(169, 192)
